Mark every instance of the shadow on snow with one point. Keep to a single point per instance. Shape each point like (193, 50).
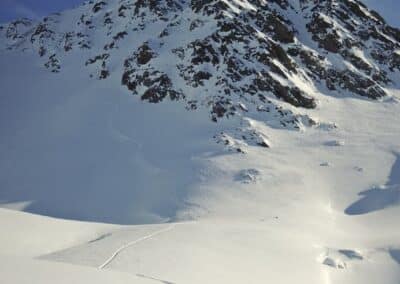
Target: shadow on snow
(379, 198)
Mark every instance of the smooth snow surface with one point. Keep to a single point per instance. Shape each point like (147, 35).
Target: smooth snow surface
(89, 152)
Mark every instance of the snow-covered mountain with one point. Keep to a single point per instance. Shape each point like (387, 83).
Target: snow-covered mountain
(268, 129)
(229, 56)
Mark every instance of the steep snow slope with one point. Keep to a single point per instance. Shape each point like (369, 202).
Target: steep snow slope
(290, 176)
(241, 61)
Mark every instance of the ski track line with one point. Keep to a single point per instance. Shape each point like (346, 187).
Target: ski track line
(125, 246)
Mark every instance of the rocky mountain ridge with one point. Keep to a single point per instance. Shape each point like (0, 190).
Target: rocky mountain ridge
(269, 59)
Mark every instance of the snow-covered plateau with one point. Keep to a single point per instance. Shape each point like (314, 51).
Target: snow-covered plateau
(202, 141)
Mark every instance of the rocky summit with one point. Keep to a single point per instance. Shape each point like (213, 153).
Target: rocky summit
(269, 57)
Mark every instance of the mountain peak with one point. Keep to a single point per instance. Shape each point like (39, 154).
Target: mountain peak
(269, 56)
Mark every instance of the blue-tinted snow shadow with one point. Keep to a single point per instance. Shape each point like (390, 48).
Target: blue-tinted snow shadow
(85, 150)
(395, 254)
(379, 198)
(99, 173)
(103, 172)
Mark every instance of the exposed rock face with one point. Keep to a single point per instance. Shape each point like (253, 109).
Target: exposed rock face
(269, 57)
(361, 38)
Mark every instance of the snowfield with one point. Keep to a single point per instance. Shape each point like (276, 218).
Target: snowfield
(99, 186)
(310, 210)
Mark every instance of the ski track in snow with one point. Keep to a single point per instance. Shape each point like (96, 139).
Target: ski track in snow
(155, 279)
(122, 248)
